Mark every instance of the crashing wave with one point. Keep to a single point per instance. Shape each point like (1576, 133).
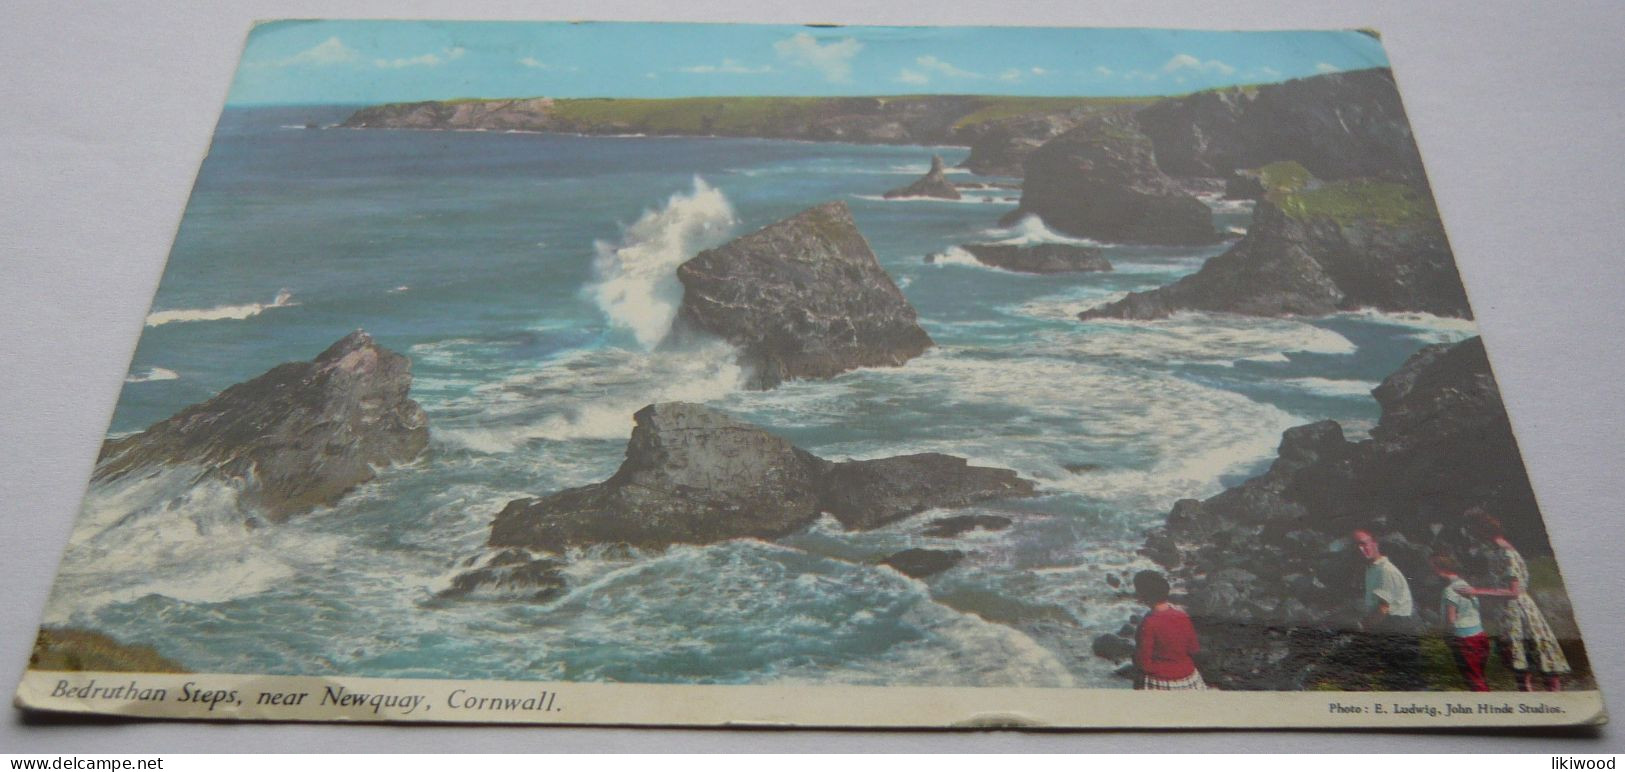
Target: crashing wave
(636, 284)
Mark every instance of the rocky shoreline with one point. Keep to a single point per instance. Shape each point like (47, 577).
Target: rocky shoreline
(1270, 578)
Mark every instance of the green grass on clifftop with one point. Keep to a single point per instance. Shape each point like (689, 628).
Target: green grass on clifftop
(995, 108)
(76, 650)
(1284, 176)
(746, 115)
(691, 115)
(1354, 201)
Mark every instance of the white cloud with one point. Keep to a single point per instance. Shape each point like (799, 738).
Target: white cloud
(728, 67)
(1327, 67)
(1104, 72)
(1011, 75)
(913, 78)
(933, 64)
(326, 53)
(1039, 71)
(833, 59)
(1266, 72)
(537, 64)
(423, 60)
(1183, 62)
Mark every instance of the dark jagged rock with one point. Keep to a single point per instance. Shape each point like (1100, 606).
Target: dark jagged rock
(1115, 648)
(1039, 258)
(509, 573)
(920, 563)
(693, 475)
(1002, 608)
(1100, 180)
(1242, 186)
(298, 437)
(1003, 149)
(1339, 126)
(867, 494)
(1271, 587)
(801, 298)
(932, 185)
(1310, 263)
(947, 527)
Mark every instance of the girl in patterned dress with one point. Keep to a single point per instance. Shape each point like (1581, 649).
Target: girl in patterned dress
(1526, 640)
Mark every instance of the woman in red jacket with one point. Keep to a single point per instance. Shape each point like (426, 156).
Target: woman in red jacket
(1166, 641)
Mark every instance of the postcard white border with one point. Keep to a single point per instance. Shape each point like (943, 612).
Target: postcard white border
(341, 698)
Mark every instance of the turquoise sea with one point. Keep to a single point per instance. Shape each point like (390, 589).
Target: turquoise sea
(529, 276)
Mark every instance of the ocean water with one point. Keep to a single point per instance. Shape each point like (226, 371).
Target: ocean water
(529, 278)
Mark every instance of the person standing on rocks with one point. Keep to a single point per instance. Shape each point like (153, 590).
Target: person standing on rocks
(1166, 644)
(1468, 642)
(1392, 640)
(1525, 638)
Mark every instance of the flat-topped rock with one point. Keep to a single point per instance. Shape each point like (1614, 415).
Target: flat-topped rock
(693, 475)
(1040, 258)
(298, 437)
(866, 494)
(802, 298)
(919, 563)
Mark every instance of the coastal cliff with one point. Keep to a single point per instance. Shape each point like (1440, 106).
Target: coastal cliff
(801, 298)
(1338, 125)
(924, 119)
(1341, 246)
(296, 438)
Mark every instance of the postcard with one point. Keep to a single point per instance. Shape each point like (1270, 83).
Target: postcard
(739, 375)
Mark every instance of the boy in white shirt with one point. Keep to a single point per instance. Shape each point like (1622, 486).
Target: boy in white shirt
(1467, 639)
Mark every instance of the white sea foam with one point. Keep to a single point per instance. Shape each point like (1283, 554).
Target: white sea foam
(152, 374)
(1184, 439)
(780, 615)
(1329, 387)
(283, 299)
(1032, 230)
(958, 256)
(922, 168)
(589, 394)
(1205, 338)
(1423, 327)
(977, 200)
(637, 283)
(170, 534)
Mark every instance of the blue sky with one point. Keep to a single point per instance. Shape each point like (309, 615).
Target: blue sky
(309, 62)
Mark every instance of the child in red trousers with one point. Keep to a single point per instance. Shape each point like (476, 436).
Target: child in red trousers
(1468, 641)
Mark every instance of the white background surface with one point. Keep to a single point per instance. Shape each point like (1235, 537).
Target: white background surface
(106, 110)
